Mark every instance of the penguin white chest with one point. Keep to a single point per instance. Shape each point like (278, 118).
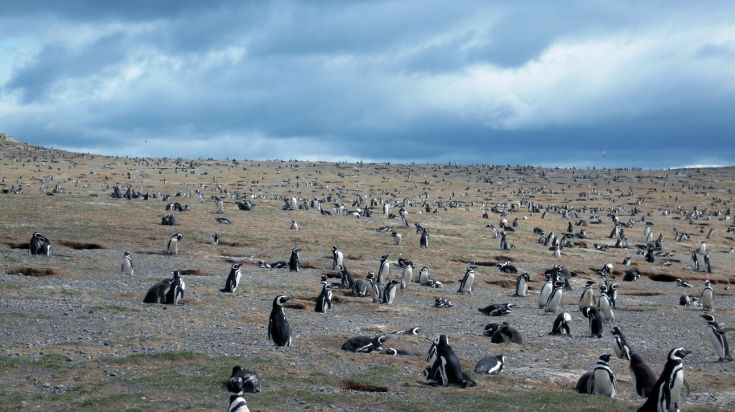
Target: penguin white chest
(676, 385)
(604, 384)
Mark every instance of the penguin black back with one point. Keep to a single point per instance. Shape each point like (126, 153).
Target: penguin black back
(642, 376)
(293, 261)
(279, 331)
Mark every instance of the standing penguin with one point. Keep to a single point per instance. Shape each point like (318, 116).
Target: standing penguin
(465, 285)
(293, 261)
(555, 298)
(407, 276)
(384, 270)
(602, 381)
(695, 261)
(233, 279)
(708, 296)
(337, 257)
(445, 368)
(595, 320)
(612, 294)
(561, 324)
(389, 294)
(666, 392)
(294, 224)
(587, 298)
(278, 329)
(707, 264)
(324, 300)
(214, 239)
(642, 377)
(605, 307)
(620, 345)
(374, 288)
(522, 285)
(167, 291)
(127, 264)
(172, 247)
(424, 241)
(702, 250)
(346, 279)
(716, 335)
(424, 276)
(546, 289)
(176, 292)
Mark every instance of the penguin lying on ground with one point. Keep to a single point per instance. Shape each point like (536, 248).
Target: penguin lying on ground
(364, 344)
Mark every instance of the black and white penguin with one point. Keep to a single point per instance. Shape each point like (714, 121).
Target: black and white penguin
(424, 276)
(360, 288)
(440, 302)
(620, 345)
(605, 307)
(364, 344)
(522, 285)
(602, 381)
(337, 258)
(491, 328)
(666, 392)
(708, 296)
(587, 298)
(626, 261)
(242, 380)
(127, 264)
(389, 294)
(561, 324)
(595, 321)
(445, 367)
(383, 270)
(214, 239)
(424, 240)
(707, 264)
(491, 364)
(612, 294)
(407, 275)
(172, 247)
(555, 298)
(465, 285)
(346, 279)
(279, 330)
(683, 283)
(324, 300)
(412, 331)
(545, 291)
(374, 288)
(167, 291)
(506, 334)
(176, 292)
(40, 245)
(695, 261)
(233, 279)
(497, 309)
(238, 404)
(716, 335)
(642, 376)
(293, 261)
(631, 275)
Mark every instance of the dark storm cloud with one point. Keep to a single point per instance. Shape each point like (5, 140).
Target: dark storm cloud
(573, 83)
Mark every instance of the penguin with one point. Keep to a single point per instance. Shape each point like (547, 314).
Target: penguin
(214, 239)
(222, 220)
(445, 369)
(337, 257)
(443, 303)
(631, 275)
(242, 380)
(545, 291)
(396, 238)
(172, 248)
(424, 276)
(360, 288)
(522, 285)
(233, 279)
(707, 296)
(424, 240)
(626, 261)
(707, 264)
(612, 294)
(620, 345)
(595, 321)
(413, 331)
(364, 344)
(506, 334)
(157, 293)
(497, 309)
(491, 328)
(407, 275)
(389, 294)
(683, 283)
(238, 404)
(279, 330)
(465, 285)
(605, 307)
(666, 392)
(702, 250)
(374, 288)
(324, 300)
(649, 255)
(347, 281)
(602, 381)
(398, 352)
(555, 298)
(695, 261)
(716, 335)
(176, 291)
(490, 364)
(642, 376)
(293, 261)
(587, 298)
(561, 324)
(40, 245)
(384, 270)
(294, 225)
(127, 265)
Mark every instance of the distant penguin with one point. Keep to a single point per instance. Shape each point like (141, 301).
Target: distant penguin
(242, 380)
(424, 276)
(374, 288)
(279, 330)
(695, 261)
(708, 296)
(490, 364)
(702, 250)
(605, 307)
(545, 291)
(233, 279)
(294, 224)
(612, 294)
(407, 275)
(337, 258)
(631, 275)
(176, 292)
(707, 264)
(498, 309)
(364, 344)
(346, 278)
(360, 288)
(642, 377)
(649, 255)
(127, 264)
(167, 291)
(620, 345)
(445, 367)
(522, 285)
(626, 261)
(716, 335)
(172, 247)
(561, 324)
(465, 285)
(555, 298)
(293, 261)
(389, 294)
(324, 300)
(595, 321)
(384, 270)
(506, 334)
(214, 239)
(424, 240)
(587, 298)
(602, 381)
(557, 251)
(220, 205)
(40, 245)
(396, 238)
(666, 392)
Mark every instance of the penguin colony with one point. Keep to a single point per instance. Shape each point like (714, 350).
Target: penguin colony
(596, 305)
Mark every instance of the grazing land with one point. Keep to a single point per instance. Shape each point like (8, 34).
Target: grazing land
(76, 335)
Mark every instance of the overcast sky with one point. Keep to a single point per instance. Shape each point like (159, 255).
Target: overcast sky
(580, 83)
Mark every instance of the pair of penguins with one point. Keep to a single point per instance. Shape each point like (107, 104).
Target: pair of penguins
(40, 245)
(241, 381)
(445, 369)
(662, 394)
(167, 291)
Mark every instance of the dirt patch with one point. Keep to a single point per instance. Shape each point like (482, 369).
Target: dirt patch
(503, 283)
(661, 277)
(80, 245)
(362, 387)
(21, 245)
(28, 271)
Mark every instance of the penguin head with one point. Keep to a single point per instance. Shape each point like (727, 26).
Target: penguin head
(706, 283)
(370, 275)
(295, 250)
(605, 357)
(280, 300)
(380, 339)
(236, 266)
(384, 258)
(526, 276)
(334, 248)
(126, 253)
(615, 331)
(179, 236)
(391, 352)
(678, 354)
(708, 317)
(590, 283)
(441, 339)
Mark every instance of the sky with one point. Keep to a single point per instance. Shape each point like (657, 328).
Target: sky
(551, 83)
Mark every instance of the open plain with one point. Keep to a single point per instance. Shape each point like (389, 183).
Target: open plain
(76, 335)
